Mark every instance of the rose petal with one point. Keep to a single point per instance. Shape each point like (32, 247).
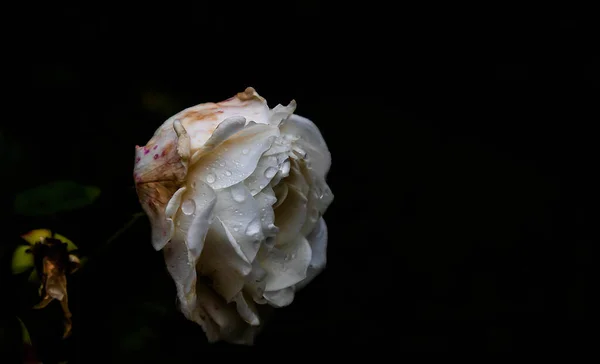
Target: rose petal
(266, 198)
(318, 244)
(266, 169)
(286, 265)
(247, 309)
(180, 265)
(202, 120)
(310, 140)
(223, 261)
(235, 159)
(240, 214)
(290, 216)
(296, 178)
(280, 298)
(217, 317)
(160, 170)
(281, 191)
(224, 130)
(281, 113)
(256, 282)
(194, 216)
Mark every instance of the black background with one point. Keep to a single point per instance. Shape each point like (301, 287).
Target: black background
(463, 160)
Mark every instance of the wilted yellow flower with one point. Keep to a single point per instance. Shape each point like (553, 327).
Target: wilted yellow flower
(49, 257)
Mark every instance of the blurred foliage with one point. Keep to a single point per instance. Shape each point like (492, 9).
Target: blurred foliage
(54, 197)
(24, 333)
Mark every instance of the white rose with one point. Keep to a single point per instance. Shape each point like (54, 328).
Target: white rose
(235, 192)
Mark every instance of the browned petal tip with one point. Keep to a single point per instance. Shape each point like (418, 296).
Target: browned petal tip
(248, 94)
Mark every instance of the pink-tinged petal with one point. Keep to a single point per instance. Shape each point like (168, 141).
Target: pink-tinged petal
(201, 121)
(310, 140)
(160, 170)
(286, 265)
(318, 244)
(290, 216)
(235, 159)
(280, 298)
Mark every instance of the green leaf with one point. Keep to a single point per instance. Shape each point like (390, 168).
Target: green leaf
(22, 260)
(24, 333)
(55, 197)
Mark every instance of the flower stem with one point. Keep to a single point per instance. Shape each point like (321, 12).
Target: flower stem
(119, 232)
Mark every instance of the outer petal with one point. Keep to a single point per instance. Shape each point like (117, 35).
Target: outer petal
(311, 140)
(201, 120)
(280, 298)
(281, 113)
(235, 159)
(180, 265)
(318, 244)
(160, 170)
(286, 265)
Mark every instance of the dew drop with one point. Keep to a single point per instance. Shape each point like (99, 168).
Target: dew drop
(236, 229)
(270, 172)
(238, 193)
(228, 173)
(285, 168)
(245, 151)
(188, 207)
(210, 178)
(253, 192)
(222, 164)
(253, 227)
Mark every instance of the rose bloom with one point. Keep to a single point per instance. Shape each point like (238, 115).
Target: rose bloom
(235, 192)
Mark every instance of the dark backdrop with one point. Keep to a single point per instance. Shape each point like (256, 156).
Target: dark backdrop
(463, 163)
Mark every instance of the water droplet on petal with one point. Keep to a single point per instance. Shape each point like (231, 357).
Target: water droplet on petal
(188, 207)
(238, 193)
(210, 178)
(245, 151)
(253, 228)
(236, 229)
(222, 164)
(228, 173)
(270, 172)
(285, 168)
